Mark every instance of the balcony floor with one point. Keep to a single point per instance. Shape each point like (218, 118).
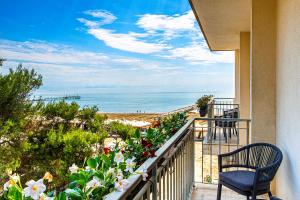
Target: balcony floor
(209, 192)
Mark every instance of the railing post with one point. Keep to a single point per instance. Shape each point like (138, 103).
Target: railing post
(193, 153)
(154, 178)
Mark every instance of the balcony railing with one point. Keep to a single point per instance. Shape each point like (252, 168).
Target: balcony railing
(172, 172)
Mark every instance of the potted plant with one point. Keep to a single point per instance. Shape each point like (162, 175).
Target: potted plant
(202, 104)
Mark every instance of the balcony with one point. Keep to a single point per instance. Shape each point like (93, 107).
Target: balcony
(186, 165)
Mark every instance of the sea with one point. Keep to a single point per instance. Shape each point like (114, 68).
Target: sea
(128, 99)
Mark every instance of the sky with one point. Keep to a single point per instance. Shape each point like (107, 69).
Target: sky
(110, 43)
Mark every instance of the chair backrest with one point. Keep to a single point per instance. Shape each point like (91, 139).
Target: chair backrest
(231, 113)
(266, 158)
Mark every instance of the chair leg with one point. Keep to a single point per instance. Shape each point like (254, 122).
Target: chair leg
(226, 135)
(215, 134)
(270, 194)
(219, 191)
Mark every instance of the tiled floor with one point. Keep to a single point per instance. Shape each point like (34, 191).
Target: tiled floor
(209, 192)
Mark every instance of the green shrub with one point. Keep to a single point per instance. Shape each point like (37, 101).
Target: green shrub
(93, 121)
(60, 109)
(57, 151)
(123, 130)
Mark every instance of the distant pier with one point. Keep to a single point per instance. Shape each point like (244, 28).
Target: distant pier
(68, 97)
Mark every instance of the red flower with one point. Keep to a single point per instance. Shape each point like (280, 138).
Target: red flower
(156, 124)
(106, 150)
(146, 144)
(145, 154)
(152, 153)
(174, 130)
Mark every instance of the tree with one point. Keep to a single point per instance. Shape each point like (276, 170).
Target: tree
(15, 105)
(16, 88)
(1, 61)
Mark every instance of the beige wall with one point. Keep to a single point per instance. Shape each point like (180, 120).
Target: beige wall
(288, 97)
(245, 75)
(263, 71)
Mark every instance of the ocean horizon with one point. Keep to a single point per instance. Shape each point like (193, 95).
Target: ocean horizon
(129, 99)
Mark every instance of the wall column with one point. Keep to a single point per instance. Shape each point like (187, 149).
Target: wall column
(245, 74)
(263, 68)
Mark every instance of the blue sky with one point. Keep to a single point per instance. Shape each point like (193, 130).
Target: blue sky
(84, 43)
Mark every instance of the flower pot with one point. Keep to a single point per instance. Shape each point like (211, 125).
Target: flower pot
(203, 111)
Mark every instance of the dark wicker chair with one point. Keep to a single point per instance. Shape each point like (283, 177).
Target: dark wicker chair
(230, 124)
(250, 169)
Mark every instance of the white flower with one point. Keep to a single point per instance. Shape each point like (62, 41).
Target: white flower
(119, 157)
(130, 165)
(14, 179)
(74, 168)
(94, 183)
(122, 144)
(111, 171)
(87, 168)
(43, 196)
(120, 185)
(34, 189)
(143, 172)
(120, 174)
(112, 146)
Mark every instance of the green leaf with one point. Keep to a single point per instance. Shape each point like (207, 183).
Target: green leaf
(73, 194)
(99, 175)
(137, 134)
(92, 163)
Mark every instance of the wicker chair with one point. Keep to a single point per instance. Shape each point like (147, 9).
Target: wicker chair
(230, 124)
(250, 169)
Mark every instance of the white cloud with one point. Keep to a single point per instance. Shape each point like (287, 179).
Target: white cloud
(170, 25)
(89, 23)
(126, 42)
(107, 17)
(199, 53)
(163, 28)
(42, 52)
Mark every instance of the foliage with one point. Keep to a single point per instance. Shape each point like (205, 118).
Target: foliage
(16, 88)
(203, 101)
(36, 137)
(57, 150)
(93, 121)
(123, 130)
(109, 171)
(1, 61)
(60, 109)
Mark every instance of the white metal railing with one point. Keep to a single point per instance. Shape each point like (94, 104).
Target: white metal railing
(173, 171)
(218, 105)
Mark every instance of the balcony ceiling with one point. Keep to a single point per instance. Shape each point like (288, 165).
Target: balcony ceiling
(222, 21)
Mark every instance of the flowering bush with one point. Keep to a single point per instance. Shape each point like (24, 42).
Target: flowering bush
(103, 173)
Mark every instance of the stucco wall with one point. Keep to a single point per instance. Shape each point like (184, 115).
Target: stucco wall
(288, 97)
(263, 71)
(245, 74)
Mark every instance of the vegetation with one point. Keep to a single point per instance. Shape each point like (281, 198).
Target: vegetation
(37, 137)
(122, 130)
(66, 142)
(104, 172)
(202, 102)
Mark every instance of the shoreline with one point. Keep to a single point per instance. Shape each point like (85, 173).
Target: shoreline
(147, 117)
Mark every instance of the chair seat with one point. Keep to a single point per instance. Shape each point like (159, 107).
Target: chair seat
(241, 179)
